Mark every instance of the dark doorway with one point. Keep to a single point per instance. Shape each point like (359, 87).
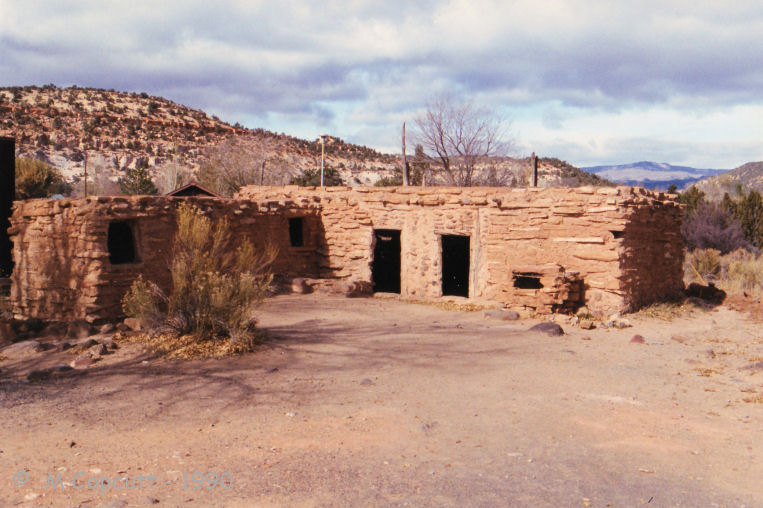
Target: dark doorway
(121, 243)
(385, 269)
(455, 265)
(296, 228)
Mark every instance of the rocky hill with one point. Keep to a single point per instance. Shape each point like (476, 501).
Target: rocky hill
(107, 132)
(749, 176)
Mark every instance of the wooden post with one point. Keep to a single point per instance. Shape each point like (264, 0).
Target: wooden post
(262, 173)
(535, 170)
(405, 161)
(85, 172)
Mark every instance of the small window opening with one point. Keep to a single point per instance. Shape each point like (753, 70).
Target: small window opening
(618, 234)
(121, 243)
(296, 231)
(527, 281)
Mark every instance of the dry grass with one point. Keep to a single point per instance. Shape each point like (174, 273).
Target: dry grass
(668, 311)
(188, 347)
(738, 272)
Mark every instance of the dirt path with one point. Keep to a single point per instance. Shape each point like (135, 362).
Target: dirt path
(377, 402)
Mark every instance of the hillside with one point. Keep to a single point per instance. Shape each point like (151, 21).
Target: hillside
(117, 130)
(652, 175)
(749, 176)
(107, 132)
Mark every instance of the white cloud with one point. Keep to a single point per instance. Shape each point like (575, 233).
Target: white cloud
(682, 77)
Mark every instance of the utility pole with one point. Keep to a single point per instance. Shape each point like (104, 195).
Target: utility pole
(262, 172)
(323, 155)
(85, 170)
(405, 161)
(534, 160)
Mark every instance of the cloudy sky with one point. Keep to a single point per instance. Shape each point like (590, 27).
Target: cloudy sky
(591, 82)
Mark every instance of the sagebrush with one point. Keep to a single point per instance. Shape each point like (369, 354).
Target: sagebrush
(214, 286)
(738, 272)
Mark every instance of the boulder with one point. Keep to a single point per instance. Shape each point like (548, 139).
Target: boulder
(548, 328)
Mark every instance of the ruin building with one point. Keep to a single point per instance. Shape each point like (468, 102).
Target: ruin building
(547, 249)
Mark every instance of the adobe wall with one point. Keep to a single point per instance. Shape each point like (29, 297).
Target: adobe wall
(612, 249)
(63, 271)
(615, 248)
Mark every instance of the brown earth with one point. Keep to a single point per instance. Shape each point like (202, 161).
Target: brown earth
(378, 402)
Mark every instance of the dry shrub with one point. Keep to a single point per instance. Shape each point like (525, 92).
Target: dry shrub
(706, 263)
(738, 272)
(214, 288)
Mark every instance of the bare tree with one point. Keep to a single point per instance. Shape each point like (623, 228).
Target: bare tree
(460, 136)
(171, 175)
(242, 161)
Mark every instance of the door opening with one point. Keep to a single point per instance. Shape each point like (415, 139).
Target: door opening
(455, 265)
(385, 267)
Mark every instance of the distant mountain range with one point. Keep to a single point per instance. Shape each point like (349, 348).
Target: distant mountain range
(653, 175)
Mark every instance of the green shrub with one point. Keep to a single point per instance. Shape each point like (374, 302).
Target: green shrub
(214, 289)
(137, 181)
(36, 179)
(312, 178)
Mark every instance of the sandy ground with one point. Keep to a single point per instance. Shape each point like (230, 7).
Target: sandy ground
(358, 402)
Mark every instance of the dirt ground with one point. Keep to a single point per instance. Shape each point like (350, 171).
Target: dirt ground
(357, 402)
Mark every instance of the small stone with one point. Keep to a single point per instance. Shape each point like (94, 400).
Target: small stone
(622, 323)
(587, 324)
(548, 328)
(638, 339)
(97, 351)
(23, 348)
(300, 286)
(109, 343)
(132, 324)
(150, 500)
(502, 314)
(367, 382)
(86, 343)
(82, 362)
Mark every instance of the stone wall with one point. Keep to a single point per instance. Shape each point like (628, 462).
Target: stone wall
(547, 249)
(63, 270)
(614, 248)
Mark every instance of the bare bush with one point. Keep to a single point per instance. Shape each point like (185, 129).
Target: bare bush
(711, 226)
(237, 162)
